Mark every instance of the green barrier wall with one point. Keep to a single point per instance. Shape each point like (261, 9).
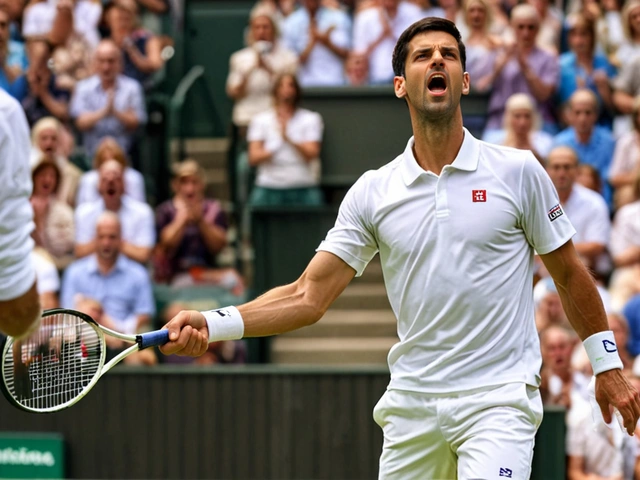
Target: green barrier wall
(31, 455)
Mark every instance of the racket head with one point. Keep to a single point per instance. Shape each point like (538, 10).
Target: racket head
(56, 365)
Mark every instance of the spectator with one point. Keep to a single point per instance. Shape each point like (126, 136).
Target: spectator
(108, 103)
(631, 313)
(47, 279)
(626, 96)
(46, 138)
(549, 311)
(142, 49)
(53, 218)
(108, 149)
(560, 385)
(586, 209)
(583, 67)
(524, 68)
(192, 230)
(522, 128)
(121, 285)
(357, 69)
(375, 32)
(630, 48)
(593, 144)
(13, 58)
(589, 178)
(228, 351)
(550, 25)
(137, 223)
(427, 8)
(253, 70)
(322, 39)
(625, 165)
(620, 329)
(284, 144)
(481, 45)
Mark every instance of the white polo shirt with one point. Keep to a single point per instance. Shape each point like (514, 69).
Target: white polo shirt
(457, 258)
(17, 273)
(136, 219)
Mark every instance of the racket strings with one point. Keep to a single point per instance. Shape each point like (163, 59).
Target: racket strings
(54, 365)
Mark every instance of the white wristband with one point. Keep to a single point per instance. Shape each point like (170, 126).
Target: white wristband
(224, 324)
(602, 352)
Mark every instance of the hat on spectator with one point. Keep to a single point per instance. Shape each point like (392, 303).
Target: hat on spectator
(187, 168)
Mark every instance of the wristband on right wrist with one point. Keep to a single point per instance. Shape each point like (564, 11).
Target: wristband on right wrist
(602, 352)
(224, 324)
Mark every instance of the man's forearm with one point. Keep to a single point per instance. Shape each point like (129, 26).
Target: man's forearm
(128, 118)
(88, 120)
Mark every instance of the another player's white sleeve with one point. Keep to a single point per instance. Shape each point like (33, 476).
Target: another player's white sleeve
(351, 238)
(543, 220)
(17, 273)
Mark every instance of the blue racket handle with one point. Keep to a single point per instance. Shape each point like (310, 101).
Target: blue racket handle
(153, 339)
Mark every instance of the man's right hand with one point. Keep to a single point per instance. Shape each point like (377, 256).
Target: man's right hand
(188, 334)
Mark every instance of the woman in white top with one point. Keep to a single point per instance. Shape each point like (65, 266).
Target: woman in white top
(284, 145)
(109, 149)
(625, 165)
(630, 48)
(522, 127)
(253, 70)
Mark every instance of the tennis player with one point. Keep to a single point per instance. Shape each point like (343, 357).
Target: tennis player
(19, 301)
(456, 222)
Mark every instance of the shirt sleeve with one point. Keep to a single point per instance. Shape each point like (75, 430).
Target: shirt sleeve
(235, 76)
(599, 228)
(146, 231)
(361, 40)
(622, 157)
(543, 220)
(623, 235)
(341, 35)
(85, 228)
(137, 103)
(145, 304)
(550, 72)
(257, 130)
(314, 128)
(351, 238)
(78, 104)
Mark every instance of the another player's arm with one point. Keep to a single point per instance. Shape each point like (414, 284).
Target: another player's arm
(280, 310)
(585, 311)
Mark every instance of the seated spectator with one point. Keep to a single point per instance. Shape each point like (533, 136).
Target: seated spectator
(522, 128)
(583, 67)
(357, 69)
(108, 149)
(284, 144)
(549, 311)
(253, 70)
(375, 32)
(593, 144)
(481, 46)
(585, 208)
(631, 314)
(228, 351)
(322, 38)
(94, 309)
(40, 96)
(550, 25)
(53, 218)
(122, 286)
(192, 230)
(625, 165)
(13, 57)
(137, 223)
(630, 48)
(626, 96)
(83, 16)
(142, 49)
(47, 279)
(524, 68)
(620, 328)
(108, 103)
(46, 138)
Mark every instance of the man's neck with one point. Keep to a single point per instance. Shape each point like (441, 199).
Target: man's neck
(584, 137)
(564, 195)
(106, 266)
(113, 205)
(285, 108)
(107, 84)
(437, 144)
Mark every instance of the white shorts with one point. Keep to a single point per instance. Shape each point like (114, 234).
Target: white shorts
(483, 434)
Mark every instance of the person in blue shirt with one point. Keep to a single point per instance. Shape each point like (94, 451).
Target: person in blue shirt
(13, 57)
(583, 67)
(594, 144)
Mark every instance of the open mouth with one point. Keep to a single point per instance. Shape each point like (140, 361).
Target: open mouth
(437, 84)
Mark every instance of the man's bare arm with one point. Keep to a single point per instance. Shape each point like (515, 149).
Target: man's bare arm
(21, 314)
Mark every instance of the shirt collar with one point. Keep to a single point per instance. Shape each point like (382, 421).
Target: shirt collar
(467, 158)
(92, 263)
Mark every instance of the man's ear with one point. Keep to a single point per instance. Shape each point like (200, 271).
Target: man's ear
(399, 86)
(466, 83)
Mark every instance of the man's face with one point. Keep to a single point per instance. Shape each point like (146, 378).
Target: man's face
(476, 15)
(634, 20)
(521, 121)
(189, 188)
(111, 184)
(562, 168)
(556, 352)
(390, 5)
(311, 5)
(45, 182)
(286, 90)
(526, 31)
(108, 240)
(262, 30)
(107, 62)
(580, 41)
(48, 142)
(583, 116)
(434, 80)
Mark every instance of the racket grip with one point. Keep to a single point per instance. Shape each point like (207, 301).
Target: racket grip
(153, 339)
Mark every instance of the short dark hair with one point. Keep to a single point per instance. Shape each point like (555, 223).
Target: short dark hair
(427, 24)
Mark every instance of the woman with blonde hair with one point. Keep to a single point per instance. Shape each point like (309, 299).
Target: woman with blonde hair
(625, 165)
(522, 127)
(630, 48)
(47, 137)
(109, 149)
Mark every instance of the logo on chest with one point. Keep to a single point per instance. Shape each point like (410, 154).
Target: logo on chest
(479, 195)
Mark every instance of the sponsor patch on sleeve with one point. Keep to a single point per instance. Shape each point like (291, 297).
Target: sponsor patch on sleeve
(555, 212)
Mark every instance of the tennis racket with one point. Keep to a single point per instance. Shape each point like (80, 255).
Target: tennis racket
(57, 365)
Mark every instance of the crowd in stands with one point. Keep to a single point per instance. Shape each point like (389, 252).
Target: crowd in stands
(561, 78)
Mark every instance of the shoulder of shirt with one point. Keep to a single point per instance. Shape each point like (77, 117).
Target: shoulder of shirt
(381, 174)
(132, 266)
(134, 204)
(366, 15)
(263, 117)
(79, 265)
(590, 196)
(87, 83)
(631, 210)
(128, 81)
(240, 55)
